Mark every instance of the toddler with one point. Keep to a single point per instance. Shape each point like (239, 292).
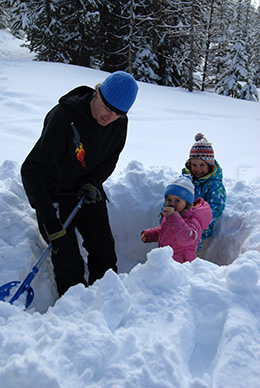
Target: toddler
(182, 221)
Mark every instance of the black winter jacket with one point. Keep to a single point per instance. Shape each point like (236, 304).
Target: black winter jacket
(73, 149)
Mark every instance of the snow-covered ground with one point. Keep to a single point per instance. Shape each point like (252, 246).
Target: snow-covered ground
(158, 324)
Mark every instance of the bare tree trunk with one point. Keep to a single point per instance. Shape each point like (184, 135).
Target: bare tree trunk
(191, 54)
(204, 74)
(130, 42)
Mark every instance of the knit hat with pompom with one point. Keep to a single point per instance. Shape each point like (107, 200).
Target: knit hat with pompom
(203, 150)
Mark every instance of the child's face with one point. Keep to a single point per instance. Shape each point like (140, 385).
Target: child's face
(199, 168)
(173, 201)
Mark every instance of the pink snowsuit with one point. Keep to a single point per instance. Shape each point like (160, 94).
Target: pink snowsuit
(182, 233)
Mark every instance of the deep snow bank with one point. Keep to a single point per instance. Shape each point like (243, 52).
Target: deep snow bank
(163, 324)
(135, 197)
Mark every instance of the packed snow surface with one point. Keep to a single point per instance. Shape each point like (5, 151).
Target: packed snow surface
(158, 323)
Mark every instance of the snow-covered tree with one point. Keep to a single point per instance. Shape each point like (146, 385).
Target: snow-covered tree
(144, 49)
(127, 28)
(217, 37)
(249, 90)
(4, 17)
(234, 69)
(184, 23)
(112, 33)
(64, 31)
(170, 42)
(80, 30)
(19, 15)
(223, 18)
(42, 29)
(142, 68)
(57, 30)
(236, 79)
(256, 48)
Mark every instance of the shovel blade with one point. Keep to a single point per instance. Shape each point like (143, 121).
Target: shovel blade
(5, 291)
(29, 297)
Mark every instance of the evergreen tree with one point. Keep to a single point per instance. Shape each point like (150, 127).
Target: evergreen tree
(234, 69)
(113, 29)
(43, 30)
(236, 80)
(171, 33)
(185, 23)
(166, 42)
(64, 31)
(19, 15)
(79, 30)
(55, 30)
(127, 31)
(144, 55)
(216, 39)
(249, 90)
(223, 30)
(4, 16)
(256, 48)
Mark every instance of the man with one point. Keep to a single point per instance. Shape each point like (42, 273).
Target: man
(77, 151)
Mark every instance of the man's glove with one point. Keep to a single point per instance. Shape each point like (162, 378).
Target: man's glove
(55, 232)
(91, 193)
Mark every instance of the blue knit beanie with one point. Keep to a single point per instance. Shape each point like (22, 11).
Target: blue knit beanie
(183, 188)
(119, 91)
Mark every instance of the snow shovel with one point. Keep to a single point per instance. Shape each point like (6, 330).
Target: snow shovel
(26, 284)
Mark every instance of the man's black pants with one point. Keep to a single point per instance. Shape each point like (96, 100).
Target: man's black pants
(93, 225)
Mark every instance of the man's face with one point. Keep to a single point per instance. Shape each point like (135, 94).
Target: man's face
(101, 113)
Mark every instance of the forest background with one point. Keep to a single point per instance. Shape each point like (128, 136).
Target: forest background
(211, 45)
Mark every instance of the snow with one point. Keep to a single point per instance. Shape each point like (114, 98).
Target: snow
(158, 323)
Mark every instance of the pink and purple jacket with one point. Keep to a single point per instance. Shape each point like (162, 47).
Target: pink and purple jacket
(182, 233)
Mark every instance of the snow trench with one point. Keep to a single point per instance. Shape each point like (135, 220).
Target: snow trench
(135, 199)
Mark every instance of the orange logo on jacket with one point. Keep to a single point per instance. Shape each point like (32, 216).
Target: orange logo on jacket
(81, 154)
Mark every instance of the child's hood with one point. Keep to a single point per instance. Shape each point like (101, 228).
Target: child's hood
(201, 211)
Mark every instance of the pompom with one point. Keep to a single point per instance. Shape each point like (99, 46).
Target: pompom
(199, 136)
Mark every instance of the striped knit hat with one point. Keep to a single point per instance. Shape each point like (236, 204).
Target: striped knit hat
(203, 150)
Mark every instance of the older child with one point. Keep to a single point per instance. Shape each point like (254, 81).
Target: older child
(183, 221)
(206, 175)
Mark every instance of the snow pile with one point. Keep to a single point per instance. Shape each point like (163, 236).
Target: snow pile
(163, 324)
